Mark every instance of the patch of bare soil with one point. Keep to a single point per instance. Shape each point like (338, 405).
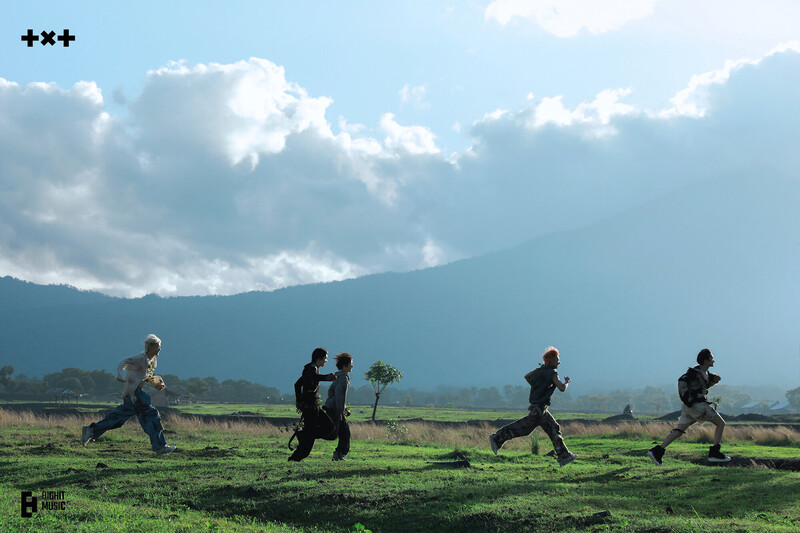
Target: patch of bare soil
(756, 462)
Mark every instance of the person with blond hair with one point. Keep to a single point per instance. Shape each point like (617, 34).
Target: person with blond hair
(135, 402)
(543, 381)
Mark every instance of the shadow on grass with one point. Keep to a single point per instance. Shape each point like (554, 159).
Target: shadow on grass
(421, 496)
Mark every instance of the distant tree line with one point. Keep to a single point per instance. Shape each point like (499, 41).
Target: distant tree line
(98, 383)
(649, 400)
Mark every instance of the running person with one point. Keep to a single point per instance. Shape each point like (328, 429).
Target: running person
(316, 422)
(692, 389)
(543, 381)
(135, 402)
(336, 405)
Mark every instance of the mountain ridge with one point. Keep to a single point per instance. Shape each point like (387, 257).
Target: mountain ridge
(629, 301)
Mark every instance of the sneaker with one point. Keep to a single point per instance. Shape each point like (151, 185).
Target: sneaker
(566, 459)
(87, 435)
(165, 450)
(716, 456)
(493, 443)
(656, 454)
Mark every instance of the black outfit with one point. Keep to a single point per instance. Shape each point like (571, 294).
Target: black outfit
(316, 422)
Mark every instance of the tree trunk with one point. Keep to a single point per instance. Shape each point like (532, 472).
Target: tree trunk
(375, 407)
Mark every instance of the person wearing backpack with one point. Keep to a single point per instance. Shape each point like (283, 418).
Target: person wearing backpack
(543, 381)
(692, 388)
(336, 405)
(316, 422)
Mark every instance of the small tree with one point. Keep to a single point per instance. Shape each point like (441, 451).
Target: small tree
(794, 397)
(381, 374)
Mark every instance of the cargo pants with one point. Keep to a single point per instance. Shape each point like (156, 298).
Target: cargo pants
(538, 416)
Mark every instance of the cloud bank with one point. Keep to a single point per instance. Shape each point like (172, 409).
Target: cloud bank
(567, 18)
(222, 179)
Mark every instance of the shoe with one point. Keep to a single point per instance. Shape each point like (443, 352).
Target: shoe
(165, 450)
(716, 456)
(87, 435)
(656, 454)
(566, 459)
(493, 443)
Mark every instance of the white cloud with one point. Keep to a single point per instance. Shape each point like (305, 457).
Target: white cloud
(159, 199)
(411, 139)
(693, 101)
(413, 95)
(566, 18)
(254, 107)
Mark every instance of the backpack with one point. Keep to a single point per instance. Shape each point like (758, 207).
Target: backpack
(688, 395)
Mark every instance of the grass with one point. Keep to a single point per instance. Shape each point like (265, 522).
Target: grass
(359, 412)
(233, 476)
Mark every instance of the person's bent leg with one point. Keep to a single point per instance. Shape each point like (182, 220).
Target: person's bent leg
(520, 428)
(715, 455)
(720, 423)
(679, 430)
(306, 436)
(150, 420)
(115, 419)
(553, 430)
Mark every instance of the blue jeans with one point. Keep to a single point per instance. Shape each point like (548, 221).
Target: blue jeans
(148, 417)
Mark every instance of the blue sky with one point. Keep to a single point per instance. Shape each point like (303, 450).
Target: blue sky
(256, 145)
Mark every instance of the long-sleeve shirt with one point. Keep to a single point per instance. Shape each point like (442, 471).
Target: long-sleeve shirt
(337, 393)
(137, 369)
(307, 386)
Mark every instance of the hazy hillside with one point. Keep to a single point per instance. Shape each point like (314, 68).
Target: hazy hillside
(629, 301)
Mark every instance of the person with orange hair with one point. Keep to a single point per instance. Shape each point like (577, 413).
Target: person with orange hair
(543, 381)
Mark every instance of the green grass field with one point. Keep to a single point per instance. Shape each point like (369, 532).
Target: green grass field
(233, 476)
(360, 413)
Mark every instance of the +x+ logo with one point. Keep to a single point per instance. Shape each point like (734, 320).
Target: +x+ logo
(47, 38)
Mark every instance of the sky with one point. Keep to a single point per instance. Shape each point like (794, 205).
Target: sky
(194, 148)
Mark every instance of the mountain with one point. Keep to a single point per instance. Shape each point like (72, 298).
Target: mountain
(629, 301)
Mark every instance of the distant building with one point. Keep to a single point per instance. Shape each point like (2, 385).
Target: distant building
(63, 396)
(170, 396)
(755, 407)
(779, 408)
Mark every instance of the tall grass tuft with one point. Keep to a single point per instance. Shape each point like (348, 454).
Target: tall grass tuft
(535, 443)
(451, 435)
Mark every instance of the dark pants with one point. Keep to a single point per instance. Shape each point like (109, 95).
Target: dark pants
(148, 416)
(342, 430)
(538, 416)
(316, 425)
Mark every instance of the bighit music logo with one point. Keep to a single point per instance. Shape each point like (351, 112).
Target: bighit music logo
(51, 500)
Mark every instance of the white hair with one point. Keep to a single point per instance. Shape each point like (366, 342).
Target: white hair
(151, 340)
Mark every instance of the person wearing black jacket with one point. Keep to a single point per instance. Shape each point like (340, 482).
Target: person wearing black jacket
(316, 423)
(692, 388)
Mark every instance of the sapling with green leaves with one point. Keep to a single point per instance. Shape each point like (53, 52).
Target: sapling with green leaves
(380, 375)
